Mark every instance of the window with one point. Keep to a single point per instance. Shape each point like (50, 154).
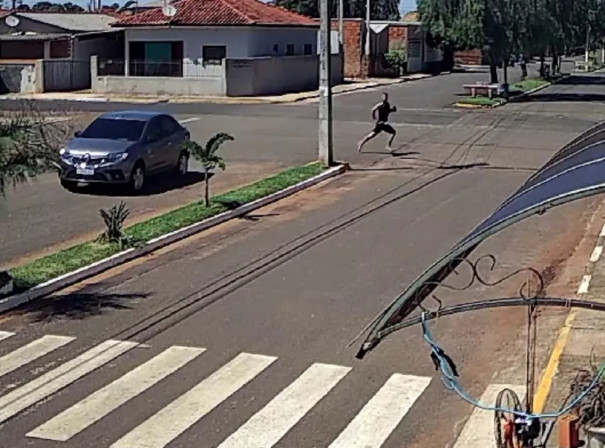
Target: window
(114, 129)
(275, 48)
(156, 58)
(214, 55)
(308, 49)
(169, 125)
(289, 50)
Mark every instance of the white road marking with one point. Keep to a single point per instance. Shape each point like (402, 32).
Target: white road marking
(159, 430)
(272, 422)
(596, 254)
(5, 335)
(96, 406)
(381, 415)
(479, 429)
(49, 383)
(602, 231)
(31, 352)
(583, 289)
(189, 120)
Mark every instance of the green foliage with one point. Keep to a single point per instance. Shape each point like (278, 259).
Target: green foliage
(114, 219)
(29, 145)
(208, 157)
(397, 59)
(503, 28)
(67, 260)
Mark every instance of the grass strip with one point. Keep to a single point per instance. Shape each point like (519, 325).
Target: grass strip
(68, 260)
(481, 101)
(528, 84)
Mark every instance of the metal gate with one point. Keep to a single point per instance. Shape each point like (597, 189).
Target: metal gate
(64, 75)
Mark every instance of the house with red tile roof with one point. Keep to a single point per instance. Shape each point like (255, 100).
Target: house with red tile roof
(214, 47)
(51, 51)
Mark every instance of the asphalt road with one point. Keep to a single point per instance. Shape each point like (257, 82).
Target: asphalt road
(41, 217)
(257, 314)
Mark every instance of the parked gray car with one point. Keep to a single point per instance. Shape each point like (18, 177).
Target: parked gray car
(124, 148)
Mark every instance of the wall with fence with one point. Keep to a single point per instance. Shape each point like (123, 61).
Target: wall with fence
(235, 77)
(20, 77)
(275, 76)
(157, 78)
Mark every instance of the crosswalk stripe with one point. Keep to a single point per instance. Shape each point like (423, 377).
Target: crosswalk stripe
(31, 352)
(479, 430)
(77, 418)
(5, 335)
(49, 383)
(185, 411)
(272, 422)
(381, 415)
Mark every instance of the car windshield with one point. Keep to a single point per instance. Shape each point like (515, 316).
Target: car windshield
(112, 129)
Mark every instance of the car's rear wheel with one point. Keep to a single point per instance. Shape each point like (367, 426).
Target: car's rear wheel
(137, 178)
(69, 185)
(182, 166)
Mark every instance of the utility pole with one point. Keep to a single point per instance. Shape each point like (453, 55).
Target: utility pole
(325, 85)
(368, 31)
(341, 8)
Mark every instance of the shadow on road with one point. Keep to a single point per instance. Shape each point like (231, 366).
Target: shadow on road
(81, 305)
(155, 185)
(574, 80)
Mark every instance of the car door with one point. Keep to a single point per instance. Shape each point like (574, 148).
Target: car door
(155, 142)
(171, 129)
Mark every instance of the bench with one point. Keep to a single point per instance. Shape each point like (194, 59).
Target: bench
(581, 66)
(487, 89)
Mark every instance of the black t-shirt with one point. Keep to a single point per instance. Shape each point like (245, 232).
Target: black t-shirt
(384, 111)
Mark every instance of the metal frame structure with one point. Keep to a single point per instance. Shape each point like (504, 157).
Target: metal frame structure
(574, 172)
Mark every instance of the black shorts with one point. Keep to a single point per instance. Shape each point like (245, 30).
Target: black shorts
(381, 126)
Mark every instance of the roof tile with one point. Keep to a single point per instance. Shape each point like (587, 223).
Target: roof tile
(219, 13)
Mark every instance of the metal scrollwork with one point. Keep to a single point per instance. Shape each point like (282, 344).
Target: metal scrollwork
(529, 290)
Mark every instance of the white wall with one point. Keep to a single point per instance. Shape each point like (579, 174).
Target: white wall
(241, 42)
(262, 40)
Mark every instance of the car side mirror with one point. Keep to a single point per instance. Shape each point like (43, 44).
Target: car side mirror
(77, 134)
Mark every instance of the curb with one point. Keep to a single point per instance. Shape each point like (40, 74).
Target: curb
(220, 100)
(366, 87)
(537, 89)
(96, 268)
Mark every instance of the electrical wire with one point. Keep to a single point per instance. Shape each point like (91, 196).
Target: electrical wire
(451, 382)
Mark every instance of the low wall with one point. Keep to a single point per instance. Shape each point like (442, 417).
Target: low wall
(20, 77)
(156, 85)
(277, 75)
(147, 85)
(241, 77)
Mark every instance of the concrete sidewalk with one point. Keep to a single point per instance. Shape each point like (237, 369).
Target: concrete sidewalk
(87, 96)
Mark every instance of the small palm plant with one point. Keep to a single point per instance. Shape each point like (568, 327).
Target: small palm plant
(114, 219)
(208, 157)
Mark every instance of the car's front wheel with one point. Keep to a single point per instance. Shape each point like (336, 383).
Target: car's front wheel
(137, 178)
(182, 166)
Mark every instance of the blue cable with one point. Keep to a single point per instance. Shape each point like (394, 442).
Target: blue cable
(451, 383)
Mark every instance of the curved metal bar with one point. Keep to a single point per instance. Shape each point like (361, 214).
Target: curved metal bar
(498, 303)
(427, 282)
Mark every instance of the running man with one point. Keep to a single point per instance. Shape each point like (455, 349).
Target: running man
(383, 109)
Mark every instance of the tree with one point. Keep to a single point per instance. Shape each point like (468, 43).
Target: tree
(29, 145)
(208, 157)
